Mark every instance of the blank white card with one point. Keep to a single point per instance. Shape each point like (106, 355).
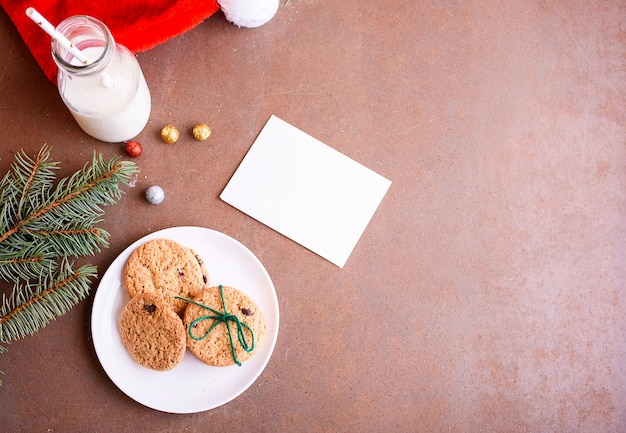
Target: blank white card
(306, 190)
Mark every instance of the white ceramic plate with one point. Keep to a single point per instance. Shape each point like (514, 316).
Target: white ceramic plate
(191, 386)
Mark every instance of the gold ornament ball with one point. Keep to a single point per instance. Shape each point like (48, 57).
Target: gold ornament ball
(201, 131)
(170, 134)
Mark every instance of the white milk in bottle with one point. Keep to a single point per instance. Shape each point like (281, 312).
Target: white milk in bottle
(108, 95)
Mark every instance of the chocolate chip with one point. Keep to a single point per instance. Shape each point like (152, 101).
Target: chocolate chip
(180, 273)
(246, 311)
(150, 308)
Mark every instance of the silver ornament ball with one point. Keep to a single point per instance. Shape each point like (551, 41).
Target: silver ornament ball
(155, 194)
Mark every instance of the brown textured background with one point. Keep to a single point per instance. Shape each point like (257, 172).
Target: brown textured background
(488, 291)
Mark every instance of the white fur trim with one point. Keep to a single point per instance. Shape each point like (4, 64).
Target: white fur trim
(249, 13)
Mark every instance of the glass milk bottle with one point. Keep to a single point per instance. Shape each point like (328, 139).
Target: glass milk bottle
(106, 92)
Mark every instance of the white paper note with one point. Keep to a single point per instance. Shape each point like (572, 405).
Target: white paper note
(306, 190)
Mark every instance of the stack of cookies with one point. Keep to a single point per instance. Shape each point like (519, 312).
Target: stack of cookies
(161, 278)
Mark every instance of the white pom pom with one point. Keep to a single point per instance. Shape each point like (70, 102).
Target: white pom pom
(249, 13)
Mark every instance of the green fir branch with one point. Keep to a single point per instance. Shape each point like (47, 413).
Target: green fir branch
(80, 239)
(34, 177)
(41, 226)
(24, 261)
(31, 306)
(55, 222)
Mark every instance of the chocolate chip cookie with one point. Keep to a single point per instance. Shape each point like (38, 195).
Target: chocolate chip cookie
(152, 333)
(168, 269)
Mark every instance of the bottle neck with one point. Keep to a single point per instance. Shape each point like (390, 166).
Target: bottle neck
(92, 38)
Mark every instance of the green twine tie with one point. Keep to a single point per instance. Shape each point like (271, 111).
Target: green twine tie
(225, 318)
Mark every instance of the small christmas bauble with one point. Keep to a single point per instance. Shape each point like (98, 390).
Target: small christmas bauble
(201, 131)
(133, 149)
(170, 134)
(155, 194)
